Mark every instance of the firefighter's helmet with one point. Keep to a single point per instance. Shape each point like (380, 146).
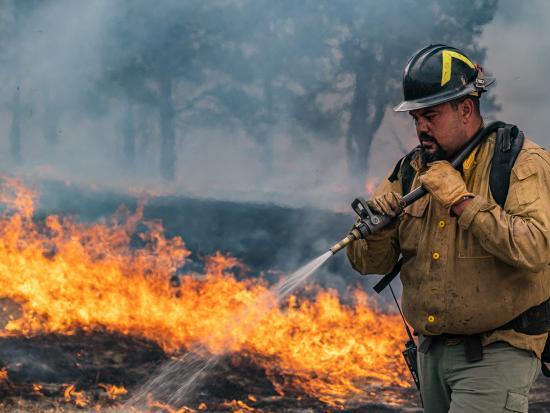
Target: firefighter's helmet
(438, 74)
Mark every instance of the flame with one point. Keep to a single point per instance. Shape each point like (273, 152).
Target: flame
(113, 391)
(166, 407)
(3, 374)
(78, 397)
(37, 388)
(371, 184)
(239, 406)
(70, 277)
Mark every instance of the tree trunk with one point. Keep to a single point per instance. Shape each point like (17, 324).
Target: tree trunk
(265, 130)
(168, 149)
(129, 133)
(366, 117)
(374, 120)
(16, 109)
(357, 126)
(51, 118)
(15, 129)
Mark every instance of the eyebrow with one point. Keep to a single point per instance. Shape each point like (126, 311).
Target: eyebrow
(427, 112)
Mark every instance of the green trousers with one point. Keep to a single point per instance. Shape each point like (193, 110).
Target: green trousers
(498, 383)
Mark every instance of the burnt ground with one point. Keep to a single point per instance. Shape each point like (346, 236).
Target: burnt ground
(40, 369)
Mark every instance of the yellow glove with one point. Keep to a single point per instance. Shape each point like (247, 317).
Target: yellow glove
(390, 204)
(444, 183)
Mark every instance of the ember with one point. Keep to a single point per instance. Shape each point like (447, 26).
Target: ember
(167, 408)
(71, 278)
(3, 374)
(78, 397)
(113, 391)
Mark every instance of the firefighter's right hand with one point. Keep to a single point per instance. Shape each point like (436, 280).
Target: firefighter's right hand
(390, 204)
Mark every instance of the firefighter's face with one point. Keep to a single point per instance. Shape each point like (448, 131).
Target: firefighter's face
(441, 130)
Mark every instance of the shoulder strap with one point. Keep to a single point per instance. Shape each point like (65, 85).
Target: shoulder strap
(389, 277)
(509, 142)
(407, 172)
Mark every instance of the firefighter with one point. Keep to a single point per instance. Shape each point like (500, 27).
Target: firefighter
(473, 271)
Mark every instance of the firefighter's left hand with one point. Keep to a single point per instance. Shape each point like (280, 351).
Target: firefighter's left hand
(444, 183)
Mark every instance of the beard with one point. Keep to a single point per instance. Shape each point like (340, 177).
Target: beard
(438, 154)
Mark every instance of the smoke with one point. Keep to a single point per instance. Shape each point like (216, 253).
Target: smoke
(250, 119)
(234, 100)
(238, 101)
(517, 52)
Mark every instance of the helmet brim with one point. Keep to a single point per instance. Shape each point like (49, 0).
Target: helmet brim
(447, 96)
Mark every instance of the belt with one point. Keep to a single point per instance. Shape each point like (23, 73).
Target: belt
(452, 339)
(473, 350)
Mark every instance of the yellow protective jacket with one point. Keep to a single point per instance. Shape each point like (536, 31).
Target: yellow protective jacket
(474, 273)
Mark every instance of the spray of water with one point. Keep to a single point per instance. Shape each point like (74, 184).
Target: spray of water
(176, 381)
(288, 284)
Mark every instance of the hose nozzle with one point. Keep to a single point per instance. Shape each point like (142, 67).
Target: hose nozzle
(353, 235)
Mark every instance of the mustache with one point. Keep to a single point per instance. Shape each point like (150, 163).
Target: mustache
(424, 137)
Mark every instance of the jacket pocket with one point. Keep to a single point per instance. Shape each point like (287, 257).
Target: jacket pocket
(526, 189)
(412, 224)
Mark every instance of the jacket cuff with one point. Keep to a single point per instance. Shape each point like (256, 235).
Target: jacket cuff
(468, 214)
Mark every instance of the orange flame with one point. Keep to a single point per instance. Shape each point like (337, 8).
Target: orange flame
(3, 374)
(371, 184)
(68, 276)
(166, 407)
(78, 397)
(113, 391)
(239, 406)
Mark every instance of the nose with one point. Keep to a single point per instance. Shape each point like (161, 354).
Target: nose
(421, 126)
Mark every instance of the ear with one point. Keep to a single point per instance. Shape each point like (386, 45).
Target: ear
(466, 110)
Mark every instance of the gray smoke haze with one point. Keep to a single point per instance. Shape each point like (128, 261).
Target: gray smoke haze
(241, 100)
(517, 41)
(518, 52)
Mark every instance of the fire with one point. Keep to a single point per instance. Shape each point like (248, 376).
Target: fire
(371, 184)
(69, 277)
(113, 391)
(78, 397)
(166, 407)
(3, 374)
(239, 406)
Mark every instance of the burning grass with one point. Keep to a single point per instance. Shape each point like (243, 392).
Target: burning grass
(71, 278)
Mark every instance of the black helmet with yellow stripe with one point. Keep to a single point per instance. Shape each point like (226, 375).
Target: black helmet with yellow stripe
(438, 74)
